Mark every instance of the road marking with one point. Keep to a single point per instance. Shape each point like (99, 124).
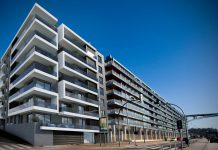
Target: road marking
(16, 146)
(25, 146)
(153, 147)
(8, 147)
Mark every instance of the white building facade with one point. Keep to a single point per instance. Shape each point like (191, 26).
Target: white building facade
(49, 83)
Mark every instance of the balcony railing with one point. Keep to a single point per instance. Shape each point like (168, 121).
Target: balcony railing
(32, 67)
(87, 127)
(115, 92)
(34, 103)
(27, 41)
(32, 85)
(75, 43)
(79, 57)
(80, 83)
(68, 109)
(80, 70)
(34, 49)
(30, 22)
(83, 98)
(123, 87)
(115, 101)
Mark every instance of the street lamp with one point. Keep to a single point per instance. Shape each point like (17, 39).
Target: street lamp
(132, 99)
(182, 117)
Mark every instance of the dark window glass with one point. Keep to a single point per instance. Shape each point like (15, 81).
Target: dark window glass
(101, 91)
(100, 69)
(99, 59)
(100, 80)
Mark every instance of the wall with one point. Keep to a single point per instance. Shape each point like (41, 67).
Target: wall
(31, 134)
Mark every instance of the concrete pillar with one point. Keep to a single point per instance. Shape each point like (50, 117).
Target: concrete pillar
(125, 136)
(140, 133)
(146, 134)
(111, 136)
(155, 135)
(114, 133)
(151, 135)
(121, 133)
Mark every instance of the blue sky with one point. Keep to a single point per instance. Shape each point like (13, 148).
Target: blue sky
(171, 45)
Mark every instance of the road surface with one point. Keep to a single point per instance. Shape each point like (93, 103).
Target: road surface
(203, 144)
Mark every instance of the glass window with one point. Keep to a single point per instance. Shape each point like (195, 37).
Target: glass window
(102, 101)
(64, 120)
(39, 84)
(101, 91)
(102, 113)
(47, 119)
(47, 86)
(100, 80)
(99, 59)
(30, 118)
(100, 69)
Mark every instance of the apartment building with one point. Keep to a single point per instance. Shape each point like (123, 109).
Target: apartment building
(141, 118)
(52, 83)
(56, 88)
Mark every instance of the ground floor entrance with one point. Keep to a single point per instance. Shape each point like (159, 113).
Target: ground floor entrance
(63, 137)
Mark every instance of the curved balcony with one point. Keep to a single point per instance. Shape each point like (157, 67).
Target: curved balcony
(28, 40)
(34, 49)
(33, 84)
(34, 103)
(79, 57)
(83, 98)
(79, 112)
(37, 66)
(79, 83)
(80, 70)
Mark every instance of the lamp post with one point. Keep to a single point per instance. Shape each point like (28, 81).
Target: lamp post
(119, 116)
(182, 117)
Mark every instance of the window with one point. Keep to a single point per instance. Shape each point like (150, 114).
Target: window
(66, 120)
(99, 59)
(39, 118)
(101, 91)
(102, 113)
(100, 69)
(100, 80)
(102, 101)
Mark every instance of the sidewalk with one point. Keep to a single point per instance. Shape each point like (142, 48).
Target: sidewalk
(123, 145)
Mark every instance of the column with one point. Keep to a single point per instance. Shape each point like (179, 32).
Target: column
(125, 136)
(159, 135)
(111, 136)
(121, 134)
(140, 132)
(155, 135)
(146, 134)
(114, 133)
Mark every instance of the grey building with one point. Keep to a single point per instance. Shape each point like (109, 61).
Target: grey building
(141, 118)
(52, 83)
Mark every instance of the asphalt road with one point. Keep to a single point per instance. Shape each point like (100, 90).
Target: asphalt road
(203, 144)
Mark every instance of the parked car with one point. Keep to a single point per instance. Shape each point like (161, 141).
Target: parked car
(213, 140)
